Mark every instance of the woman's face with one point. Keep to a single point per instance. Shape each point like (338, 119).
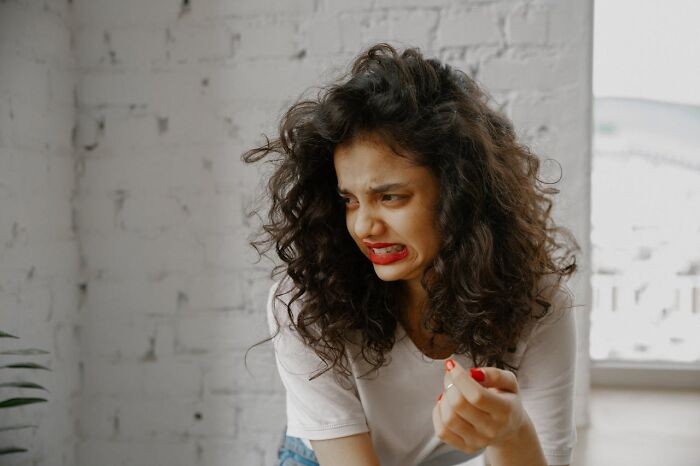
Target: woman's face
(390, 208)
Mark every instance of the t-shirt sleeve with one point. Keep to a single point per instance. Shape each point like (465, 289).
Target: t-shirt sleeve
(317, 409)
(546, 379)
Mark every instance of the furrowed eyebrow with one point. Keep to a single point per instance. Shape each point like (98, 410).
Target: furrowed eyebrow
(378, 189)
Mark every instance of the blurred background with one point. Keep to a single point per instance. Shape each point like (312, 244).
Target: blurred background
(128, 290)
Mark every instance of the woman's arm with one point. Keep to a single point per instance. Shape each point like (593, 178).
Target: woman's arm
(487, 408)
(354, 450)
(482, 408)
(522, 449)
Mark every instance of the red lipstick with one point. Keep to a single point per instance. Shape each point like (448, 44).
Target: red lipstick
(385, 258)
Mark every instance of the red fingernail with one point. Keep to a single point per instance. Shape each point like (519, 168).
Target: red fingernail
(477, 374)
(439, 397)
(449, 365)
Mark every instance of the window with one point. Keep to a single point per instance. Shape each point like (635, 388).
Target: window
(646, 186)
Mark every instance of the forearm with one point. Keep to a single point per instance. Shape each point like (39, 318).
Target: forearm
(353, 450)
(523, 449)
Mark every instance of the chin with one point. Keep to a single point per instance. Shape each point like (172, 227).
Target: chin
(387, 277)
(385, 274)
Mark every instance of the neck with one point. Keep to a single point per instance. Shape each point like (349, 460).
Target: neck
(415, 298)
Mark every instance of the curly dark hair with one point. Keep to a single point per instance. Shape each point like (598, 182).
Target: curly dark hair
(498, 239)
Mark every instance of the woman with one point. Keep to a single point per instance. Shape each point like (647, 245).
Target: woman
(420, 261)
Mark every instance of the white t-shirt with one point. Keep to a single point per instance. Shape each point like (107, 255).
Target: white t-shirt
(395, 404)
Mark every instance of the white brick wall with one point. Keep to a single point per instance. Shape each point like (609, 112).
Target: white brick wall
(39, 298)
(168, 95)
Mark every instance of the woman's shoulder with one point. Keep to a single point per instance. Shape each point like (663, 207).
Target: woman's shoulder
(557, 298)
(281, 302)
(558, 321)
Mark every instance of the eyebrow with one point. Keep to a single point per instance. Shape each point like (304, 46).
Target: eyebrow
(382, 188)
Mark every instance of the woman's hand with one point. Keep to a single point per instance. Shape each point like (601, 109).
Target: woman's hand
(478, 408)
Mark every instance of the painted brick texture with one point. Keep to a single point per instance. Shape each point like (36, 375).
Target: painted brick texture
(39, 261)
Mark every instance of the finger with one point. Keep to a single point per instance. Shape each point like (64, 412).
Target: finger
(442, 432)
(469, 422)
(480, 420)
(448, 431)
(498, 378)
(477, 395)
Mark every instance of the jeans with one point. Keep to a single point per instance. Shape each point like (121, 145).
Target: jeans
(293, 452)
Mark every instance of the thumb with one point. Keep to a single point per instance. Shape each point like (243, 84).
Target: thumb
(492, 377)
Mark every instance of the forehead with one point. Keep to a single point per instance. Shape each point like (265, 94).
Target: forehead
(367, 160)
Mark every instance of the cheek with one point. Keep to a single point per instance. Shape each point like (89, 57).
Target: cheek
(429, 236)
(349, 223)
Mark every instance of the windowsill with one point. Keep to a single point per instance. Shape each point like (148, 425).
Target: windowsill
(647, 374)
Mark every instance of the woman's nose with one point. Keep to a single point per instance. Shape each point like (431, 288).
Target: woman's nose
(367, 223)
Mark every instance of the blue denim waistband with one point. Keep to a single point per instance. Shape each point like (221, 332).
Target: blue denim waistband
(296, 446)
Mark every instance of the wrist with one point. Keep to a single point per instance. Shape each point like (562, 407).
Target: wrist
(524, 433)
(522, 447)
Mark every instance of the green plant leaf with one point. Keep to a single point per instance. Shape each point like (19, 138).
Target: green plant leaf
(25, 351)
(22, 385)
(20, 401)
(8, 450)
(24, 365)
(14, 402)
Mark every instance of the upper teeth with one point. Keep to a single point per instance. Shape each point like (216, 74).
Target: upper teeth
(394, 248)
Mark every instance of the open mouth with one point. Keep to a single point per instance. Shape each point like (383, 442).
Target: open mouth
(394, 248)
(388, 255)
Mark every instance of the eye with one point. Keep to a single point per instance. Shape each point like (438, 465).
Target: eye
(392, 197)
(346, 201)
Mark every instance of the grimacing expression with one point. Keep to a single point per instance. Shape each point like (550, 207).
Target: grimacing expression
(390, 200)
